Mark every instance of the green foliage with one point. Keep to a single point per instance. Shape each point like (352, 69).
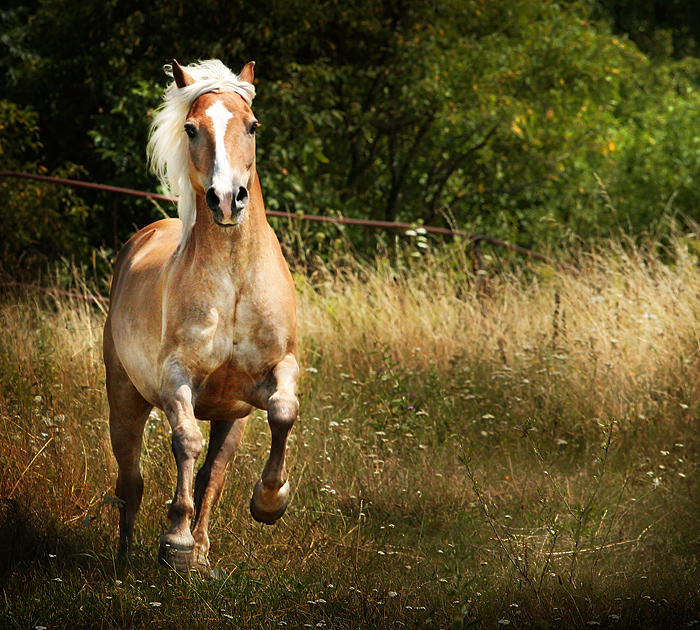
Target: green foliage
(658, 158)
(661, 28)
(526, 120)
(19, 142)
(39, 223)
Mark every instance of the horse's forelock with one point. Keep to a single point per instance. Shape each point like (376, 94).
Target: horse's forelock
(211, 76)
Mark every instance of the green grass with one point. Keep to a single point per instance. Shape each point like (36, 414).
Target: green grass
(471, 451)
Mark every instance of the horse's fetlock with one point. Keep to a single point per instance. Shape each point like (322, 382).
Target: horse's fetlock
(181, 511)
(273, 481)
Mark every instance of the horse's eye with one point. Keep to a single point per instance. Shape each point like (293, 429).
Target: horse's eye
(190, 130)
(253, 127)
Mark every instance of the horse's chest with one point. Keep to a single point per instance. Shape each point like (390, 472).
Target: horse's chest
(248, 344)
(239, 366)
(228, 350)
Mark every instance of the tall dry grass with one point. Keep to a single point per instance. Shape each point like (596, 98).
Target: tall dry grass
(466, 442)
(52, 405)
(619, 304)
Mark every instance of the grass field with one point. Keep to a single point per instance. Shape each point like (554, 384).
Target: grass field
(503, 450)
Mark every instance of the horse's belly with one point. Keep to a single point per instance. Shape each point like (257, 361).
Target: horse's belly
(221, 409)
(229, 389)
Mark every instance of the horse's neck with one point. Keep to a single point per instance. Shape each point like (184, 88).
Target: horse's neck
(215, 249)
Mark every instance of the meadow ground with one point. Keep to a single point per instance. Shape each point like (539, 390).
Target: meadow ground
(511, 449)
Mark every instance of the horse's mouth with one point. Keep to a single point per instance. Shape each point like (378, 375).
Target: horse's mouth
(233, 220)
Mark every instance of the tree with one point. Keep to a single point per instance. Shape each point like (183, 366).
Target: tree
(522, 119)
(38, 223)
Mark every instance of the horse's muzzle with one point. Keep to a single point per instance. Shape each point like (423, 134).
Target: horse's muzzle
(223, 211)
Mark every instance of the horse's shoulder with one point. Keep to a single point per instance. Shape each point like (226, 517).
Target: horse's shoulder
(163, 231)
(163, 234)
(149, 248)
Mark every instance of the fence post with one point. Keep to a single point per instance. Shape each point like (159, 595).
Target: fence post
(115, 223)
(477, 258)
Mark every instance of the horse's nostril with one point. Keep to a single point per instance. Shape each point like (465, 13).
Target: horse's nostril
(241, 198)
(212, 199)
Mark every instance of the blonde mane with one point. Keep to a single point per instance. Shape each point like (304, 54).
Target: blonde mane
(167, 149)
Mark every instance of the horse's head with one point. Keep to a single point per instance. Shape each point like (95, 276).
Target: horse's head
(220, 128)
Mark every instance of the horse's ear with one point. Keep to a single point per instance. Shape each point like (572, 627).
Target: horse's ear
(182, 79)
(247, 72)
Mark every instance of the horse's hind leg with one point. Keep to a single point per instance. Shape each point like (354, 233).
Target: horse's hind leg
(128, 412)
(224, 439)
(271, 492)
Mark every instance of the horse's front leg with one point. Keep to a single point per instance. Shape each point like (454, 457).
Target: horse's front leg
(271, 492)
(177, 545)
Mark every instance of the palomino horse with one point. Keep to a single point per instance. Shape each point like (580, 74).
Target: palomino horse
(202, 319)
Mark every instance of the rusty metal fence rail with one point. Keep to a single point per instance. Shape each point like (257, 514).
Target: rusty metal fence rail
(474, 239)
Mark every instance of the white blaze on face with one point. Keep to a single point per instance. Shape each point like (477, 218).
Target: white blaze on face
(221, 178)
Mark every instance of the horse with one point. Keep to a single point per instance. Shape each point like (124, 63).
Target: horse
(202, 316)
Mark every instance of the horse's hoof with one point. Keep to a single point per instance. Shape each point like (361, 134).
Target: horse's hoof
(201, 562)
(174, 558)
(183, 557)
(267, 507)
(269, 518)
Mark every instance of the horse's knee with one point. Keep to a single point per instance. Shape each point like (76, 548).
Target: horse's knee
(130, 485)
(187, 442)
(282, 409)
